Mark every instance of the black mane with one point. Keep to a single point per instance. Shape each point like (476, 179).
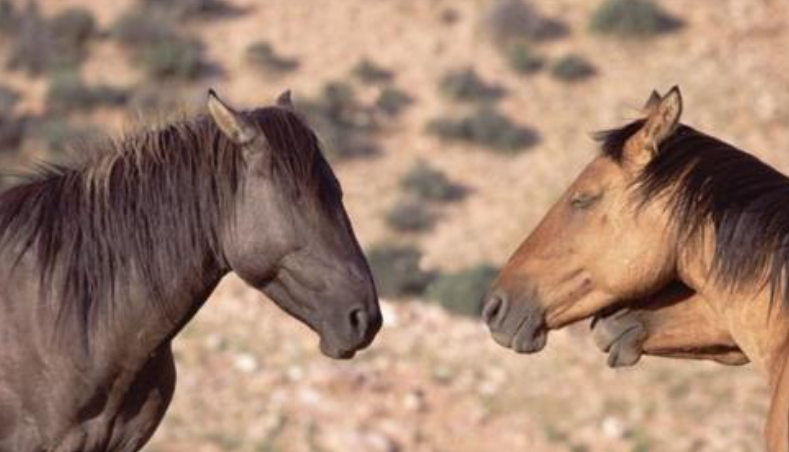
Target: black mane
(707, 180)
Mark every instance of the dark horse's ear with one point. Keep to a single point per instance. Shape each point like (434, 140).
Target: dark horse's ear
(285, 100)
(233, 124)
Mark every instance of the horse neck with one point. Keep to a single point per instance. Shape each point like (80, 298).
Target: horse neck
(756, 318)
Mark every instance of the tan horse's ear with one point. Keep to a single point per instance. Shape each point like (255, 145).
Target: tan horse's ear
(234, 125)
(285, 100)
(663, 119)
(651, 103)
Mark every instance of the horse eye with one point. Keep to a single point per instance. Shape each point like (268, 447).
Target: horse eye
(584, 200)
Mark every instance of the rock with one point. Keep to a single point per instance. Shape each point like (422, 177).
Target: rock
(246, 363)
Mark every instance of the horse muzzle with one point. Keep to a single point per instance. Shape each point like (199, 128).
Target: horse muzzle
(519, 325)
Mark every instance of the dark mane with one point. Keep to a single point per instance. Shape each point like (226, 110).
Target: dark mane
(147, 204)
(746, 201)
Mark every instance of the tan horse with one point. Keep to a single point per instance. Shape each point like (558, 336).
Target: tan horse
(662, 204)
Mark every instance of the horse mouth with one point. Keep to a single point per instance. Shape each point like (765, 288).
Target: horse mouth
(334, 352)
(531, 336)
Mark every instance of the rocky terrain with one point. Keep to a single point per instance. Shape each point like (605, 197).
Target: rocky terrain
(252, 380)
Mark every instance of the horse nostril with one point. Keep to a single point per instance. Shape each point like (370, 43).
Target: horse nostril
(494, 309)
(359, 320)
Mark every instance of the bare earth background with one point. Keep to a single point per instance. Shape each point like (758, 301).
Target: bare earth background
(252, 379)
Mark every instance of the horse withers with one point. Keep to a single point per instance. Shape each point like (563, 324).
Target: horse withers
(104, 262)
(663, 204)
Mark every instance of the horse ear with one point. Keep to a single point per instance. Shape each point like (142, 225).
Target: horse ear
(663, 119)
(234, 125)
(285, 100)
(651, 103)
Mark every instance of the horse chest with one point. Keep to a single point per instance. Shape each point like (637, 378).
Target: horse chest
(119, 420)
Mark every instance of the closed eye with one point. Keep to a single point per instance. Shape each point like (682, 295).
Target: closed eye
(584, 200)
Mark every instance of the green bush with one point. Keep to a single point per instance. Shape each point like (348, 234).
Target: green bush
(462, 292)
(396, 270)
(9, 17)
(137, 28)
(12, 131)
(370, 73)
(58, 135)
(427, 183)
(68, 93)
(73, 27)
(523, 59)
(485, 127)
(176, 58)
(262, 55)
(515, 20)
(8, 100)
(410, 215)
(346, 126)
(156, 46)
(632, 18)
(572, 68)
(466, 85)
(191, 9)
(156, 98)
(39, 45)
(392, 101)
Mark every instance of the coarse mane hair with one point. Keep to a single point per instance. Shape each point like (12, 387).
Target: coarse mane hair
(707, 181)
(149, 205)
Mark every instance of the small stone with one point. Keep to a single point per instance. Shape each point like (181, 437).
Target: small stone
(415, 401)
(613, 428)
(246, 363)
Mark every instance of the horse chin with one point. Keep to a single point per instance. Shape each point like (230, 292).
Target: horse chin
(529, 339)
(335, 352)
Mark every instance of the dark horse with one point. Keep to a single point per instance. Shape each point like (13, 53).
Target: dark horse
(103, 263)
(689, 232)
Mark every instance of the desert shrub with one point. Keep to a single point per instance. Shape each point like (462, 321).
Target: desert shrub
(136, 27)
(173, 58)
(370, 73)
(429, 184)
(262, 55)
(410, 215)
(466, 85)
(8, 17)
(58, 135)
(69, 92)
(35, 49)
(346, 126)
(632, 18)
(41, 45)
(156, 98)
(485, 127)
(514, 20)
(523, 59)
(572, 68)
(29, 50)
(8, 100)
(12, 132)
(73, 27)
(396, 270)
(462, 292)
(392, 101)
(157, 47)
(191, 9)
